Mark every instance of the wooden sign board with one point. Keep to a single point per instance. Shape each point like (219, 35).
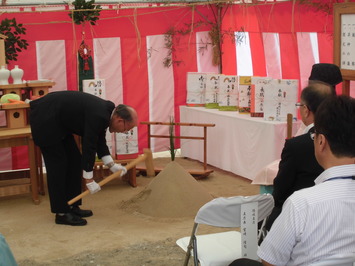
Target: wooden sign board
(344, 42)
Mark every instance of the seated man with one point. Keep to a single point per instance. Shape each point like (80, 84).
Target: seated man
(298, 166)
(321, 72)
(317, 222)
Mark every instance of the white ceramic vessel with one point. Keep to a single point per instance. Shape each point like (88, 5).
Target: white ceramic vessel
(4, 76)
(17, 74)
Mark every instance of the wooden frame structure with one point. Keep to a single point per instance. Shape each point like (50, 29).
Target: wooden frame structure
(205, 171)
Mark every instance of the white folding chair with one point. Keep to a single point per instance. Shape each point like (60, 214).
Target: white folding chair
(337, 260)
(220, 249)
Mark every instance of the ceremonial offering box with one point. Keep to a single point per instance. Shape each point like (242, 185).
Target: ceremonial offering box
(16, 115)
(244, 90)
(16, 89)
(280, 99)
(212, 90)
(257, 95)
(195, 87)
(39, 87)
(228, 93)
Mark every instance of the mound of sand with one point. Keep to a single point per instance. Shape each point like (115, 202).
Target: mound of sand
(173, 193)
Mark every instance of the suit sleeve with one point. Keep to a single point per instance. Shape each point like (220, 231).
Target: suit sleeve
(286, 175)
(102, 148)
(93, 141)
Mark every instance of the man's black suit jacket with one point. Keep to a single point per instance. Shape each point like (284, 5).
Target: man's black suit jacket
(298, 168)
(59, 114)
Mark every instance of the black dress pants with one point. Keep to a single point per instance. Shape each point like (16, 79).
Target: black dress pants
(64, 173)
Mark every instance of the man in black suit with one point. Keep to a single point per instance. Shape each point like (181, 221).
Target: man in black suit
(54, 120)
(298, 166)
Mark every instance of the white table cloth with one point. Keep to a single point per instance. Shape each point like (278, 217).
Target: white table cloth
(238, 143)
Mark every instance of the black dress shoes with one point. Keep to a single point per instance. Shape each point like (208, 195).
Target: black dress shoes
(81, 213)
(69, 219)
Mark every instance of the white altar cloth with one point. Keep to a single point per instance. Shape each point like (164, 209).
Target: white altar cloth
(238, 143)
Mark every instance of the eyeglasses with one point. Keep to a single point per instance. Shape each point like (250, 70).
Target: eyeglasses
(312, 135)
(124, 126)
(299, 104)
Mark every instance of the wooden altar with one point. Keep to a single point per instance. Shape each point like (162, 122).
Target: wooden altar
(16, 133)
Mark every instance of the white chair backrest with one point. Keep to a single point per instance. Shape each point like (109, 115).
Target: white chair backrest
(226, 212)
(239, 211)
(337, 260)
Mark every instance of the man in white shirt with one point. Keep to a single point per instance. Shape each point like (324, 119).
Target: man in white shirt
(318, 222)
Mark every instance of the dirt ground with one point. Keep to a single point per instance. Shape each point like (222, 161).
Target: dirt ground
(115, 235)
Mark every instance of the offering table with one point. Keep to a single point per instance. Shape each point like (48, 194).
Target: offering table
(238, 143)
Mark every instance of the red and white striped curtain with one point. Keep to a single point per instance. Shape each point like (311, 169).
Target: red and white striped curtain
(276, 40)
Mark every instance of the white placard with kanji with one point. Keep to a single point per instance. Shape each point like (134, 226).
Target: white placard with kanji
(244, 89)
(228, 91)
(249, 229)
(212, 88)
(258, 85)
(95, 87)
(280, 99)
(196, 87)
(127, 143)
(347, 41)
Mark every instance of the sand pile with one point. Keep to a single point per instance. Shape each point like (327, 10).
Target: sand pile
(172, 193)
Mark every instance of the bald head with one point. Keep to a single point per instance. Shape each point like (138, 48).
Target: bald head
(124, 118)
(315, 93)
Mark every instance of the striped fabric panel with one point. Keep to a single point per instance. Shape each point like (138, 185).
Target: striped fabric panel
(108, 66)
(161, 90)
(306, 55)
(204, 53)
(107, 52)
(272, 55)
(51, 63)
(243, 54)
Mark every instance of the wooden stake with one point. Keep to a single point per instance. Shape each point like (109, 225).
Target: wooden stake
(149, 162)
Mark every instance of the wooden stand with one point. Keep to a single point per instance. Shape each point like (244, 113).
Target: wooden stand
(199, 173)
(14, 138)
(18, 133)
